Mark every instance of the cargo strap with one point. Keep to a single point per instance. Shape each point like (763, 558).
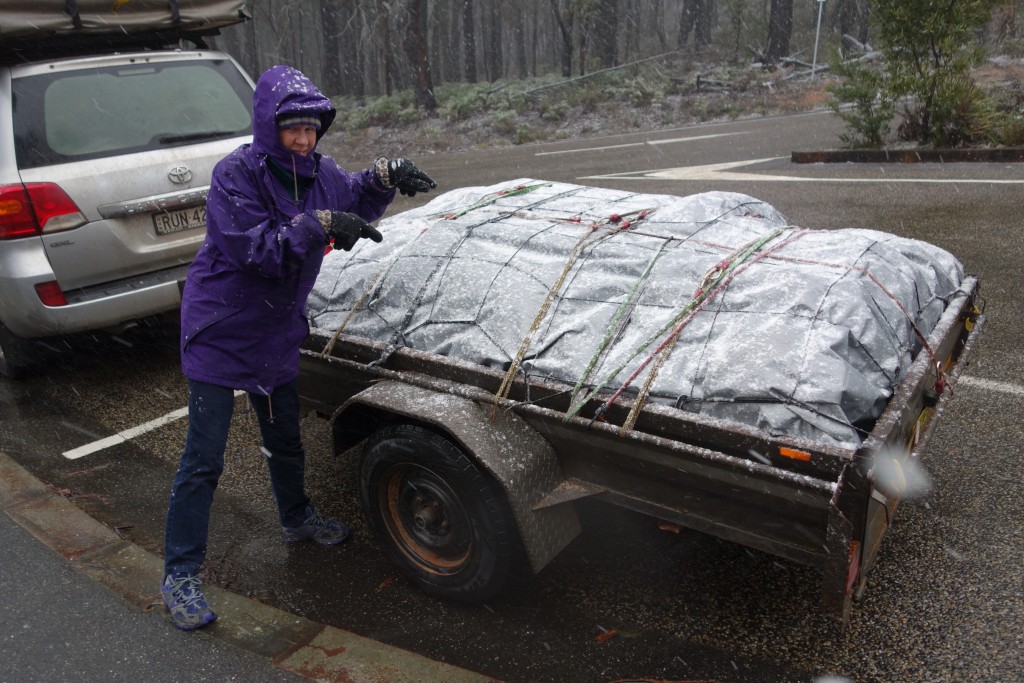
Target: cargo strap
(614, 224)
(712, 282)
(614, 327)
(719, 278)
(487, 200)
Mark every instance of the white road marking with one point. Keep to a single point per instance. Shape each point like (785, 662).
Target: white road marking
(724, 172)
(636, 144)
(993, 385)
(123, 437)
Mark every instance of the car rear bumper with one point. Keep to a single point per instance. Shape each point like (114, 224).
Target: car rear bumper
(89, 308)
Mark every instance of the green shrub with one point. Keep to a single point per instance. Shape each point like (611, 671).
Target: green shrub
(864, 103)
(409, 115)
(504, 122)
(524, 134)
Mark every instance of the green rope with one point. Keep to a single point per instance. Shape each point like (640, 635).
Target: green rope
(715, 276)
(493, 197)
(613, 325)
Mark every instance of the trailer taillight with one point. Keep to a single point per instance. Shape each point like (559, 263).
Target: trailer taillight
(36, 208)
(794, 454)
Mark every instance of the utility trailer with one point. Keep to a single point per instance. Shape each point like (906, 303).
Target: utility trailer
(468, 468)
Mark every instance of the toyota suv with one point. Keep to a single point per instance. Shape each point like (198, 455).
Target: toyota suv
(105, 162)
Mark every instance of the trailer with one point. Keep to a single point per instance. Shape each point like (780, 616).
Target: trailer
(470, 468)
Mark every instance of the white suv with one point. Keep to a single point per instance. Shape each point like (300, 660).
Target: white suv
(105, 162)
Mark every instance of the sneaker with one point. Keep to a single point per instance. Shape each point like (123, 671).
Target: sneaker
(184, 598)
(316, 528)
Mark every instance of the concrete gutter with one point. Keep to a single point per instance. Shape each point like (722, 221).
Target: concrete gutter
(289, 642)
(910, 156)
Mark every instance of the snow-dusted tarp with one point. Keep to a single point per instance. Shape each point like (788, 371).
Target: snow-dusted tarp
(43, 18)
(711, 303)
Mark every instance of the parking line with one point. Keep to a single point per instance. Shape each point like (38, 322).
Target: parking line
(635, 144)
(993, 385)
(725, 172)
(126, 435)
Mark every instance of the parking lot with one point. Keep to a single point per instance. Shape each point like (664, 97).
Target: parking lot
(626, 600)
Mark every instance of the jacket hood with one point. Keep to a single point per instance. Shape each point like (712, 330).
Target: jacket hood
(283, 90)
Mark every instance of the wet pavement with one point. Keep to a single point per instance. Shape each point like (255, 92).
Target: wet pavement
(82, 603)
(626, 600)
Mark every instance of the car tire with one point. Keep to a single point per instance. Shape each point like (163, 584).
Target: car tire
(440, 518)
(14, 362)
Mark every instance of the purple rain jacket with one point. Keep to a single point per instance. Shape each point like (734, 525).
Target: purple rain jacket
(243, 308)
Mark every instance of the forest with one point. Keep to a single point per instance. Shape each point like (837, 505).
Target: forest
(376, 47)
(464, 73)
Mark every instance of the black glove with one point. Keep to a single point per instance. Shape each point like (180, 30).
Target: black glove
(345, 230)
(409, 180)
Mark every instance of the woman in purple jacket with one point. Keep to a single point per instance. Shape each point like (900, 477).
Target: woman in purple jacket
(273, 207)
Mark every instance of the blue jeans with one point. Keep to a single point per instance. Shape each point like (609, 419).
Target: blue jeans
(202, 462)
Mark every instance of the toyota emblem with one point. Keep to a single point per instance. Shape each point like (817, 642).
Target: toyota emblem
(179, 175)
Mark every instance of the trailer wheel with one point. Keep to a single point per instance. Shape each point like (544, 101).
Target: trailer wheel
(438, 516)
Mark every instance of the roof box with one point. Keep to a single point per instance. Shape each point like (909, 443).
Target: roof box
(41, 18)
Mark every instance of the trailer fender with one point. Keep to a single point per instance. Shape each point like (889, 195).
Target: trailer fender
(513, 453)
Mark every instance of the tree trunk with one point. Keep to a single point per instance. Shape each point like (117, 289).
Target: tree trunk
(436, 39)
(780, 29)
(468, 42)
(416, 51)
(697, 18)
(519, 46)
(865, 21)
(492, 41)
(631, 32)
(706, 20)
(340, 75)
(565, 30)
(452, 44)
(605, 31)
(658, 19)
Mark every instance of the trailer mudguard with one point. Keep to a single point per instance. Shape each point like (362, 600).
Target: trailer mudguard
(518, 458)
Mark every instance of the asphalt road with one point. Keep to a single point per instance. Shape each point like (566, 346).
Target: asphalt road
(944, 603)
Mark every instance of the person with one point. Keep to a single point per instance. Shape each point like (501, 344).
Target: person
(273, 207)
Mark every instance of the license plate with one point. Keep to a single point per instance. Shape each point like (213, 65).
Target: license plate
(169, 222)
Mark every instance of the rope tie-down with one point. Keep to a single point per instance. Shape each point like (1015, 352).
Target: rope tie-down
(714, 281)
(613, 225)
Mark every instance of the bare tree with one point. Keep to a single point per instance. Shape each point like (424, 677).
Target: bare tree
(519, 34)
(604, 25)
(696, 18)
(468, 42)
(417, 53)
(780, 29)
(564, 19)
(631, 30)
(492, 40)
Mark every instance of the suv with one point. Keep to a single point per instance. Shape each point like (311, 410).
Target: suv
(105, 162)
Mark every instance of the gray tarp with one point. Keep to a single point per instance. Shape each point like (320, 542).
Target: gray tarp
(38, 18)
(797, 332)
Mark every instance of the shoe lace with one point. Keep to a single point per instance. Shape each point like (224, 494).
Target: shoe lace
(186, 590)
(318, 521)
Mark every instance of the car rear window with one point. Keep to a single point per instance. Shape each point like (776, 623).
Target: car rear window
(100, 112)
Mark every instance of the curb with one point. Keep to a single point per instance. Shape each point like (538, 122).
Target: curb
(910, 156)
(291, 643)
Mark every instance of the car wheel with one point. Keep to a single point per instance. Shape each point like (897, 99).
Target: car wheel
(443, 521)
(13, 355)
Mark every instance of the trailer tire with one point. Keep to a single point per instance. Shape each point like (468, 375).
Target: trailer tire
(439, 517)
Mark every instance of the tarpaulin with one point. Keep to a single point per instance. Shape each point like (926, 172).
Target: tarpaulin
(715, 300)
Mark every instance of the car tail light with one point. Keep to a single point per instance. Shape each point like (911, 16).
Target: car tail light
(50, 293)
(36, 208)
